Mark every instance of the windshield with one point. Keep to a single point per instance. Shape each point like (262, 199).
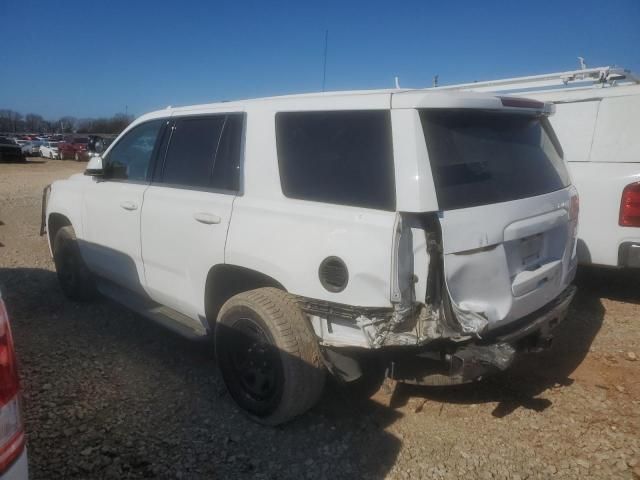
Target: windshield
(480, 157)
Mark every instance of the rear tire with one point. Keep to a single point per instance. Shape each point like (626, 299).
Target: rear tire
(268, 355)
(73, 275)
(373, 375)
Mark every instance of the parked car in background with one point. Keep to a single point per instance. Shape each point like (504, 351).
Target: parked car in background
(10, 151)
(49, 150)
(73, 147)
(424, 234)
(598, 123)
(32, 148)
(13, 451)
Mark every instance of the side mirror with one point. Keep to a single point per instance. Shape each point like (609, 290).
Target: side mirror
(99, 146)
(94, 166)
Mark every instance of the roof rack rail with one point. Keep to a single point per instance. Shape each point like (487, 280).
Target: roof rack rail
(585, 78)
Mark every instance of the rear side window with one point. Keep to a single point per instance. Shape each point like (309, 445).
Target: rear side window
(226, 169)
(192, 150)
(479, 157)
(337, 157)
(204, 152)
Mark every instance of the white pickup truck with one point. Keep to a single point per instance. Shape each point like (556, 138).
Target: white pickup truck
(598, 123)
(427, 235)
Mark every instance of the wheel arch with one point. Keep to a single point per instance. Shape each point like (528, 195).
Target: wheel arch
(225, 280)
(55, 221)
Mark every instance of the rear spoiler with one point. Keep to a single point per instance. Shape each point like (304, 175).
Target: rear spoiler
(429, 99)
(546, 108)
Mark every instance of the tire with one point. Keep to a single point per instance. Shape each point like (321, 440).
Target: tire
(373, 375)
(268, 356)
(73, 275)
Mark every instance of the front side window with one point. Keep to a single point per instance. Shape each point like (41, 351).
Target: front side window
(483, 157)
(130, 158)
(204, 152)
(342, 157)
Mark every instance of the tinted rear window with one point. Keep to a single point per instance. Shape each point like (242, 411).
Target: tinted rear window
(480, 157)
(204, 152)
(337, 157)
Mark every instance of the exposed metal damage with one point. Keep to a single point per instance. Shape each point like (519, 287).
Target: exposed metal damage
(411, 322)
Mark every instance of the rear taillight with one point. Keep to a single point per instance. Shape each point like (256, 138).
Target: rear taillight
(519, 102)
(11, 428)
(630, 206)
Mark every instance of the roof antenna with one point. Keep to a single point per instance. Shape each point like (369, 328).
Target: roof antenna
(583, 64)
(324, 66)
(435, 80)
(397, 82)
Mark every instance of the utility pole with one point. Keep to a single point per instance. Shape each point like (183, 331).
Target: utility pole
(324, 66)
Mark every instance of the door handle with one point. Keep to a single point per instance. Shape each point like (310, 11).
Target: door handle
(129, 205)
(207, 218)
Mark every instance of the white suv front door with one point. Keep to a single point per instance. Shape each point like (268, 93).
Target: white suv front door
(187, 209)
(112, 206)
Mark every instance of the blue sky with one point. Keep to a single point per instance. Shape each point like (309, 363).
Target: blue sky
(96, 58)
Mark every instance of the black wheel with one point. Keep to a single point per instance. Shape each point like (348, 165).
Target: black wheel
(268, 355)
(73, 275)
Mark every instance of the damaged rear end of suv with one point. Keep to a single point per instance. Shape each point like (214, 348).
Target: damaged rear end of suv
(482, 250)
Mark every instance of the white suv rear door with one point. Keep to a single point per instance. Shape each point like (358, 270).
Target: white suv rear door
(188, 206)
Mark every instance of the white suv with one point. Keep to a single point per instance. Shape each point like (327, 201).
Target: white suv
(429, 236)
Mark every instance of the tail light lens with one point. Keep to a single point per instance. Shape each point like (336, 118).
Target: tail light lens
(630, 206)
(520, 102)
(11, 428)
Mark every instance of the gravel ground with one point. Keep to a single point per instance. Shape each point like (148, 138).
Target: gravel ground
(108, 394)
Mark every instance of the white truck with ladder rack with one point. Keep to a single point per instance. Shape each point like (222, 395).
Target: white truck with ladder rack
(598, 123)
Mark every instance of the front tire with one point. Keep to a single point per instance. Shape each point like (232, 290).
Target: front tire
(268, 355)
(73, 275)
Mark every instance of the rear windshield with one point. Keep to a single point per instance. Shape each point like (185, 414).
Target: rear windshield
(480, 157)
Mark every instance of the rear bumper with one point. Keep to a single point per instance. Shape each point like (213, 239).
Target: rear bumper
(629, 255)
(493, 353)
(542, 321)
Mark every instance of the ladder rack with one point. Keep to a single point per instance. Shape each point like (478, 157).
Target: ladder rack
(583, 78)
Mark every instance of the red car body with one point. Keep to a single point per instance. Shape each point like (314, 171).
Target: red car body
(73, 147)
